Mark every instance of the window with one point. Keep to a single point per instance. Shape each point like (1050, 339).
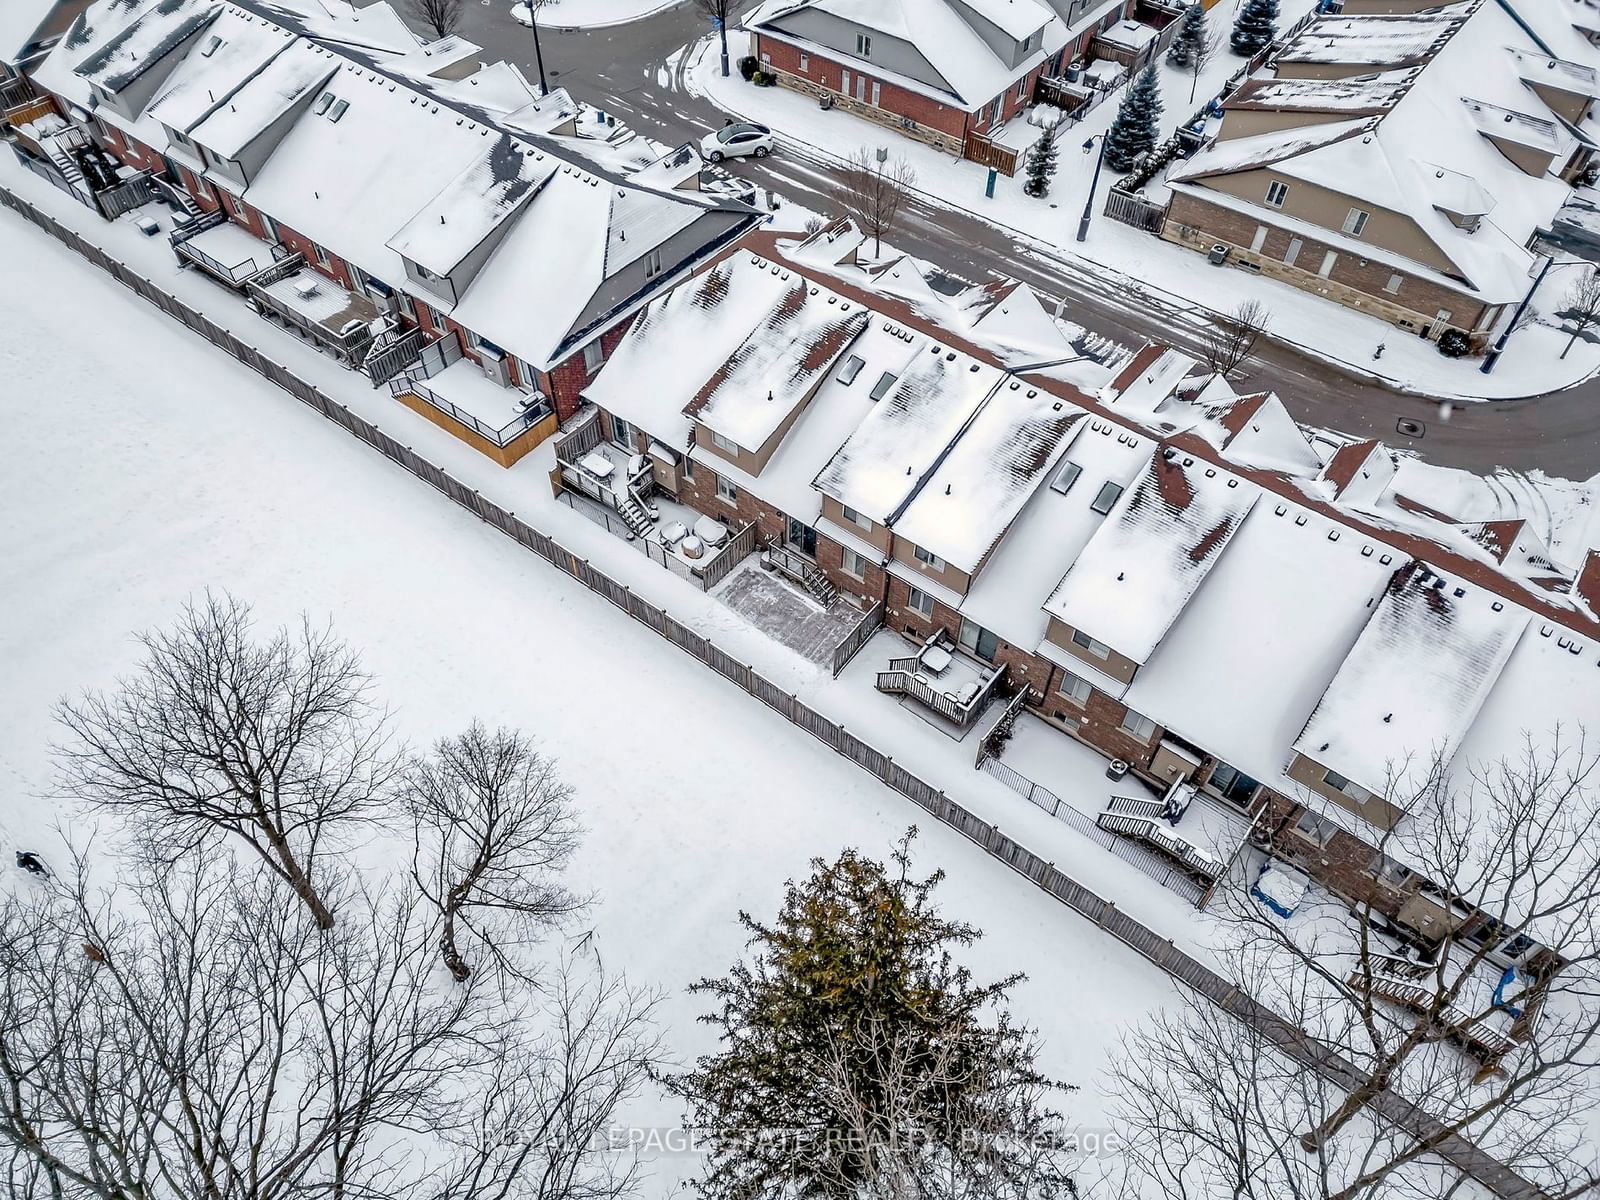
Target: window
(885, 382)
(1098, 649)
(1346, 787)
(877, 94)
(927, 558)
(652, 264)
(975, 639)
(1259, 240)
(996, 109)
(688, 468)
(920, 601)
(805, 62)
(1140, 727)
(1076, 689)
(227, 201)
(854, 564)
(851, 368)
(269, 229)
(1106, 497)
(726, 492)
(864, 45)
(1295, 246)
(1277, 193)
(1066, 477)
(1328, 260)
(1318, 829)
(593, 356)
(1388, 871)
(855, 518)
(726, 445)
(1355, 221)
(322, 258)
(1022, 88)
(622, 433)
(1393, 286)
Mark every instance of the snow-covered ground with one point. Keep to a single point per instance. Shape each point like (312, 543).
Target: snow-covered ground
(145, 466)
(589, 14)
(1144, 265)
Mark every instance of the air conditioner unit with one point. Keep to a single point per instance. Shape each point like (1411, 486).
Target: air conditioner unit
(495, 364)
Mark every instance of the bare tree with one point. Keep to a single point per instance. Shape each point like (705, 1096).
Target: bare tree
(494, 827)
(1203, 53)
(1232, 336)
(1583, 305)
(1505, 858)
(215, 1045)
(874, 190)
(273, 741)
(441, 16)
(719, 13)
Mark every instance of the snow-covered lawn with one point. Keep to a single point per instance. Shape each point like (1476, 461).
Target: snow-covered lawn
(589, 14)
(1142, 265)
(144, 466)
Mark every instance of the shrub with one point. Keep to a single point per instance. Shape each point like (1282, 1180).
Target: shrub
(764, 79)
(1453, 343)
(747, 66)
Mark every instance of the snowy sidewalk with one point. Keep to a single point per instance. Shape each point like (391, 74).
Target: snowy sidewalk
(1142, 266)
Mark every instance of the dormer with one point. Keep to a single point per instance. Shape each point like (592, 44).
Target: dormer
(124, 74)
(1567, 88)
(1530, 143)
(1013, 29)
(1459, 197)
(1360, 473)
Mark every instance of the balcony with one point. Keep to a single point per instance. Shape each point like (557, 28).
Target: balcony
(342, 322)
(501, 422)
(1480, 1019)
(1185, 827)
(227, 252)
(943, 680)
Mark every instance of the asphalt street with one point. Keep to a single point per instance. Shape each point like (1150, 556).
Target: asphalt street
(625, 70)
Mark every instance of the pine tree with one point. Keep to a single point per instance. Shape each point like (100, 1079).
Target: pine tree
(1255, 28)
(857, 1059)
(1133, 133)
(1191, 36)
(1041, 163)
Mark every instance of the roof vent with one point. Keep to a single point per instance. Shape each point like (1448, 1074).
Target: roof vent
(1169, 454)
(1366, 552)
(1388, 718)
(1386, 559)
(1497, 606)
(1279, 509)
(1300, 520)
(1460, 592)
(1333, 535)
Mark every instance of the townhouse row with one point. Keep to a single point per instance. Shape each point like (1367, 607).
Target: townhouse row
(1173, 574)
(432, 221)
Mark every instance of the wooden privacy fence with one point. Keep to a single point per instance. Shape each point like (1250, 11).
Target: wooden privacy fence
(988, 154)
(1290, 1039)
(1135, 210)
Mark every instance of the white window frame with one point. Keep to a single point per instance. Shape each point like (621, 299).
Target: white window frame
(1328, 261)
(726, 445)
(1355, 221)
(852, 563)
(1137, 726)
(864, 45)
(919, 601)
(856, 518)
(1094, 646)
(270, 228)
(1315, 827)
(927, 558)
(622, 433)
(594, 356)
(652, 263)
(726, 492)
(1394, 285)
(1277, 193)
(1075, 688)
(1348, 788)
(805, 62)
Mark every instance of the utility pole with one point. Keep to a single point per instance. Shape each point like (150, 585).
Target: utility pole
(538, 53)
(1493, 356)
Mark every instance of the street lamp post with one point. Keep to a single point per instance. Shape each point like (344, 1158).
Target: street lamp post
(538, 52)
(1493, 356)
(1088, 205)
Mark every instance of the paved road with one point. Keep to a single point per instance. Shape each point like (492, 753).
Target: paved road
(628, 70)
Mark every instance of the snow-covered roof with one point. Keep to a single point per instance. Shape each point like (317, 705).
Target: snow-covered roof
(983, 482)
(474, 204)
(1149, 380)
(232, 49)
(672, 169)
(1356, 94)
(973, 72)
(1021, 333)
(774, 370)
(1259, 432)
(1265, 149)
(287, 80)
(1155, 549)
(1379, 40)
(1414, 681)
(143, 42)
(887, 458)
(1281, 609)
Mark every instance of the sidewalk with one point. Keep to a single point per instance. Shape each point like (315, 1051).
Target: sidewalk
(1146, 270)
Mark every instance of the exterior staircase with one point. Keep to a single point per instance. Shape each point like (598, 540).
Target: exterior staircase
(820, 586)
(634, 515)
(1143, 820)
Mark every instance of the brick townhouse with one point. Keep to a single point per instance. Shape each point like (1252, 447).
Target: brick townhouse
(1166, 571)
(361, 199)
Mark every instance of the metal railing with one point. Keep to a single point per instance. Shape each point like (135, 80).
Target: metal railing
(1290, 1039)
(538, 409)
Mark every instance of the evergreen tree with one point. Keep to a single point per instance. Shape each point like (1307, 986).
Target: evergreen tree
(1191, 36)
(857, 1060)
(1133, 133)
(1255, 28)
(1041, 163)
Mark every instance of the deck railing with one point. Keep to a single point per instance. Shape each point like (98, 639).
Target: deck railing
(1474, 1032)
(538, 409)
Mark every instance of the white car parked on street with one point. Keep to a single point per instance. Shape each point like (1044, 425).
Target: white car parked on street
(737, 140)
